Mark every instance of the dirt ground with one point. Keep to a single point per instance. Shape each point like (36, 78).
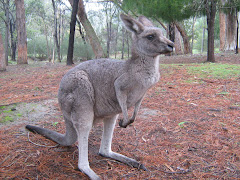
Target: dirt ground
(187, 128)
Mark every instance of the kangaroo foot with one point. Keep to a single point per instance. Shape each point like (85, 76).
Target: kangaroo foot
(123, 124)
(124, 159)
(89, 172)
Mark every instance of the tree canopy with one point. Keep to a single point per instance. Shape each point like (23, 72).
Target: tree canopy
(169, 11)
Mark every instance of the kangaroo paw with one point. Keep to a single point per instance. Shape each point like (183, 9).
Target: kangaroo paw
(124, 125)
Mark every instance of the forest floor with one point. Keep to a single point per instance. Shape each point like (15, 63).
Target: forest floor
(188, 126)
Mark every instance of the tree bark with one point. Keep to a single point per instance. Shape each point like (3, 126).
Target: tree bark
(46, 36)
(203, 36)
(21, 32)
(231, 28)
(193, 24)
(7, 22)
(211, 13)
(171, 31)
(123, 42)
(116, 39)
(93, 39)
(186, 43)
(237, 32)
(13, 39)
(2, 56)
(56, 31)
(222, 24)
(72, 32)
(177, 43)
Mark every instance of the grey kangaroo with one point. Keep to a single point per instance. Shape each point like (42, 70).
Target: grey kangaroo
(101, 89)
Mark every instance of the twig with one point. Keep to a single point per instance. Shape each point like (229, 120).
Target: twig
(177, 172)
(182, 171)
(41, 144)
(14, 161)
(5, 160)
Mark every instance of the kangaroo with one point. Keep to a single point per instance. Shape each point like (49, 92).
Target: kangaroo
(101, 89)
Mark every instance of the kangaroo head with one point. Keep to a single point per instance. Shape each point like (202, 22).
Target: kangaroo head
(147, 39)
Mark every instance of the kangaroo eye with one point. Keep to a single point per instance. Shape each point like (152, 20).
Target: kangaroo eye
(150, 37)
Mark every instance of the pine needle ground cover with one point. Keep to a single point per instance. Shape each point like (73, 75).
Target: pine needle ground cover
(188, 126)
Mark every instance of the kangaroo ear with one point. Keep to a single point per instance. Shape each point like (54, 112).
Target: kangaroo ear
(131, 24)
(145, 21)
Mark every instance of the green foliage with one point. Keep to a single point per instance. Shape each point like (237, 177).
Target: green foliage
(81, 50)
(169, 11)
(37, 46)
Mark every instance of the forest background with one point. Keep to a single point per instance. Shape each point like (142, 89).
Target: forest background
(185, 22)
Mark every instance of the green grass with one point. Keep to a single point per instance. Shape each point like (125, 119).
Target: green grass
(7, 119)
(214, 71)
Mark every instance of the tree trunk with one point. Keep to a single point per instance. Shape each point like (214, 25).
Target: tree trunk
(21, 32)
(53, 53)
(72, 32)
(6, 8)
(193, 24)
(123, 42)
(171, 31)
(93, 39)
(177, 43)
(237, 33)
(2, 56)
(222, 24)
(231, 28)
(116, 39)
(211, 12)
(186, 43)
(46, 36)
(13, 39)
(56, 31)
(128, 46)
(108, 37)
(203, 34)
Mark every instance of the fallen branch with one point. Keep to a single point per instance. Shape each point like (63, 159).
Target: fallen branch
(177, 172)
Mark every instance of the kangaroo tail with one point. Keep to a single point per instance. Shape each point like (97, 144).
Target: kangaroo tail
(62, 139)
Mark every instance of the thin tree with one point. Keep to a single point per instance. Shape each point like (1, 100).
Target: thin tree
(7, 23)
(13, 37)
(92, 37)
(2, 56)
(21, 32)
(55, 34)
(237, 32)
(72, 32)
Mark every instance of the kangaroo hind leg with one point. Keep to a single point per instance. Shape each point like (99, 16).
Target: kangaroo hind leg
(105, 148)
(83, 121)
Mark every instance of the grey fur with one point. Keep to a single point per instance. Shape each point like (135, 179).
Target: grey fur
(101, 89)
